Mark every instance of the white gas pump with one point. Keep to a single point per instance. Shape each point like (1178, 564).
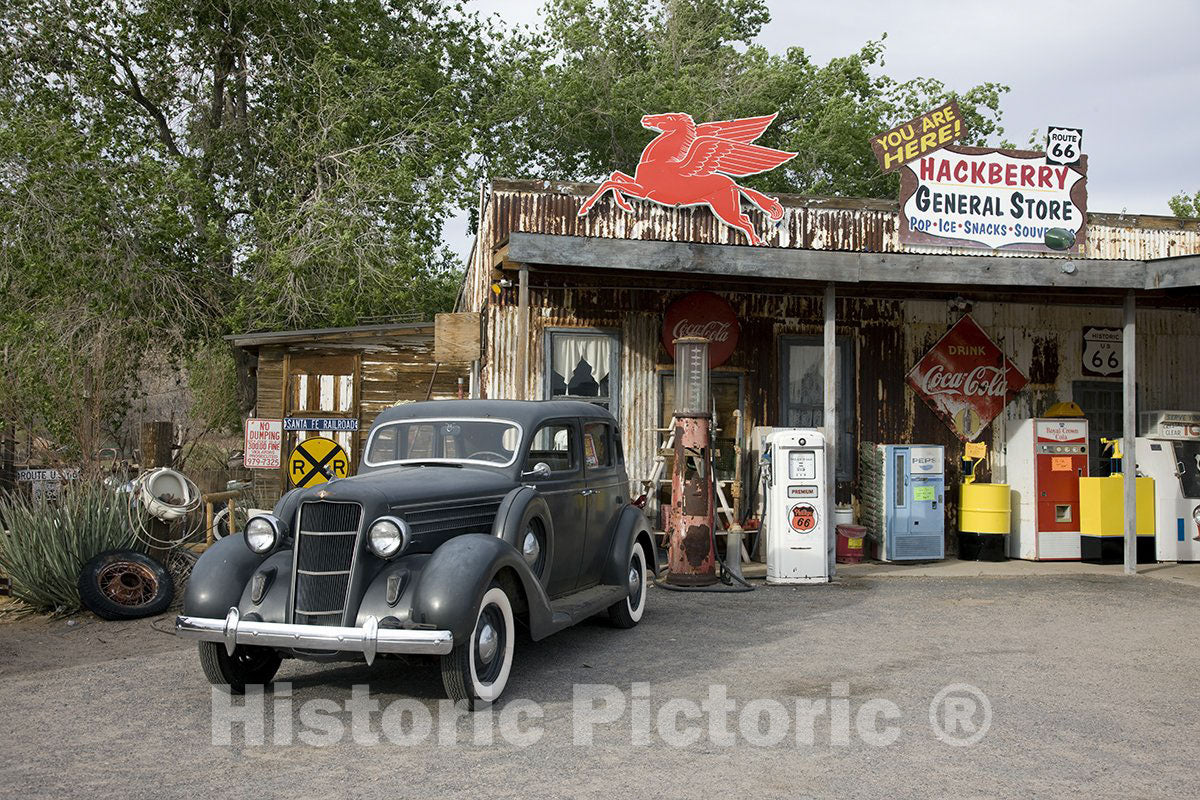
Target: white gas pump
(1169, 452)
(798, 524)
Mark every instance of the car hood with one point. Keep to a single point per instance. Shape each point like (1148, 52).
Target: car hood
(401, 486)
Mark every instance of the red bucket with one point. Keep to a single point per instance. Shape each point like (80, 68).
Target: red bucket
(850, 543)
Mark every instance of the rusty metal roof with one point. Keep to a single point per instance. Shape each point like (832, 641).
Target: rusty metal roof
(817, 223)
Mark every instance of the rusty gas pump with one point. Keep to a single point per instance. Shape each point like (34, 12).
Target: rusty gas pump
(691, 560)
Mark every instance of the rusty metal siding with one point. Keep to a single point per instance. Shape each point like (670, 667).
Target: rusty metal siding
(890, 334)
(815, 223)
(1046, 342)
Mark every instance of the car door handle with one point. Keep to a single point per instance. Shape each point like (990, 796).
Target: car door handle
(587, 492)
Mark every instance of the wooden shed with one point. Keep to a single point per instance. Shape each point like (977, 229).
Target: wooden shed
(344, 373)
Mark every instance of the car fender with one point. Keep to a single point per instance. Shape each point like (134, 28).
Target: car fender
(631, 527)
(516, 510)
(447, 592)
(219, 577)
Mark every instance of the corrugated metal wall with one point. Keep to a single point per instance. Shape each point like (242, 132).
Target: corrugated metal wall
(813, 223)
(890, 335)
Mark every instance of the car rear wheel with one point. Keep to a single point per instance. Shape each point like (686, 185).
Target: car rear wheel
(628, 612)
(248, 666)
(477, 670)
(533, 547)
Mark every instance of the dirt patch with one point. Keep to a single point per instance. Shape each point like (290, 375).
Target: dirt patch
(31, 643)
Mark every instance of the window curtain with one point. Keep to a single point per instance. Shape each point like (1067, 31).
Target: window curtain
(569, 350)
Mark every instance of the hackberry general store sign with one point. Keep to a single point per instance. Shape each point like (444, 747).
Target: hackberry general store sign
(966, 379)
(990, 198)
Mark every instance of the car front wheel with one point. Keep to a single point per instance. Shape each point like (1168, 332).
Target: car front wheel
(628, 612)
(247, 666)
(477, 670)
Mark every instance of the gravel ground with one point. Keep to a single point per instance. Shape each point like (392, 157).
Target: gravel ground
(1091, 681)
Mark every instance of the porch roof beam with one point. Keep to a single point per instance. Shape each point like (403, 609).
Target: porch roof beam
(1173, 273)
(827, 265)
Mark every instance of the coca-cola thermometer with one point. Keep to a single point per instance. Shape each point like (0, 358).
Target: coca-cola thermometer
(966, 378)
(702, 314)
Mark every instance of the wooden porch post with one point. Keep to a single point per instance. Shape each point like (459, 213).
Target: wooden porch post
(830, 417)
(1129, 460)
(523, 332)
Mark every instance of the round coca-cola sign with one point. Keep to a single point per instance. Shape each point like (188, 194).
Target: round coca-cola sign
(702, 314)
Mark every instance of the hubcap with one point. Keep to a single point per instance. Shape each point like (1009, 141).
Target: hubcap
(531, 548)
(635, 580)
(489, 642)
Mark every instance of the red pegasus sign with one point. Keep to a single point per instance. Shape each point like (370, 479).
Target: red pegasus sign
(690, 164)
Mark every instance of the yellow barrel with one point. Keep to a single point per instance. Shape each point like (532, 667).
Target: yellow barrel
(985, 508)
(1102, 506)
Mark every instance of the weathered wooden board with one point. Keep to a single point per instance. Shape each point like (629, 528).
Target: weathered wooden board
(456, 337)
(1173, 273)
(825, 265)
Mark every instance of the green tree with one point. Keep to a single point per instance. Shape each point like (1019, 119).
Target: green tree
(1182, 205)
(172, 170)
(601, 65)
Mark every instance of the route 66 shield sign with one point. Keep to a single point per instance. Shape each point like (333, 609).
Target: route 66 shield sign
(1102, 352)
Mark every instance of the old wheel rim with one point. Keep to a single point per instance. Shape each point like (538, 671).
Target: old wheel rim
(532, 550)
(490, 638)
(128, 583)
(636, 583)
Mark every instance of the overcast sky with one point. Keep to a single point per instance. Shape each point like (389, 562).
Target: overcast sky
(1128, 73)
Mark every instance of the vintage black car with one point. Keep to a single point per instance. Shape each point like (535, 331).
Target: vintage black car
(467, 518)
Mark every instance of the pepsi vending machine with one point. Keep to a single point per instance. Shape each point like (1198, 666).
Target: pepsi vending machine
(904, 500)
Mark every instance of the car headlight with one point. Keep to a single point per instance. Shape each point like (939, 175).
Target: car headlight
(262, 533)
(1196, 515)
(387, 536)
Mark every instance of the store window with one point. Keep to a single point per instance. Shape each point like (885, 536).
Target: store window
(1103, 403)
(802, 401)
(582, 365)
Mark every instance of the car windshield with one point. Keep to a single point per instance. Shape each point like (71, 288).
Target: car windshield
(449, 441)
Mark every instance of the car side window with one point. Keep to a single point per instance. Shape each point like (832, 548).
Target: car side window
(554, 444)
(597, 450)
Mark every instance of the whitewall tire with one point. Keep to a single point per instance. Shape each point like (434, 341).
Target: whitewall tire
(629, 611)
(476, 671)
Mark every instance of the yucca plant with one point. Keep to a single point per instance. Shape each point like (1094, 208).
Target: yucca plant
(44, 544)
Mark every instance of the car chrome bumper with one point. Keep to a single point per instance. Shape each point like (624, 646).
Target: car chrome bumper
(368, 640)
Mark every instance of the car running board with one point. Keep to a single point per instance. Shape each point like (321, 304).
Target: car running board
(579, 606)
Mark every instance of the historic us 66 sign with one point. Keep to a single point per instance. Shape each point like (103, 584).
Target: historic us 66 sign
(1102, 353)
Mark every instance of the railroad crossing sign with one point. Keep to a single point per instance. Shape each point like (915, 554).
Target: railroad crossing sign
(315, 461)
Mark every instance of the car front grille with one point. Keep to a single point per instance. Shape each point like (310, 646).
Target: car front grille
(326, 541)
(431, 527)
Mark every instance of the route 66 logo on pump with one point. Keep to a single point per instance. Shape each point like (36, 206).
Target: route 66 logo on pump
(803, 517)
(1102, 354)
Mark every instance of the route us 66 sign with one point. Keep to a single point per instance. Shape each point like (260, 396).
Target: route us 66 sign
(1064, 145)
(1102, 353)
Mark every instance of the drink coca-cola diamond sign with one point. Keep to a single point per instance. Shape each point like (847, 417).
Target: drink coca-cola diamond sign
(966, 379)
(702, 314)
